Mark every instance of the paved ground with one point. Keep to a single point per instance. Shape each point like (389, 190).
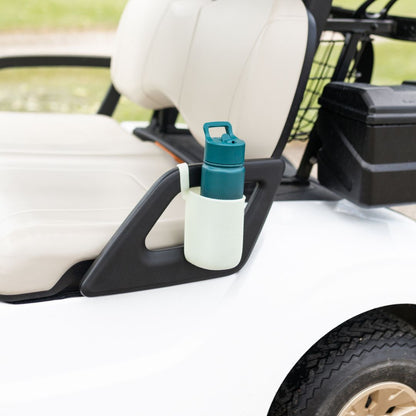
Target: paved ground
(101, 43)
(87, 43)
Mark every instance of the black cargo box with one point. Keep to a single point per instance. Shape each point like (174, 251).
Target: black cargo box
(368, 137)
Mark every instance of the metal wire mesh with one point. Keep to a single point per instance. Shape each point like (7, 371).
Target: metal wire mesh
(322, 72)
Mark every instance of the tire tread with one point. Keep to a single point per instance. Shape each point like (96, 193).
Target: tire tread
(363, 334)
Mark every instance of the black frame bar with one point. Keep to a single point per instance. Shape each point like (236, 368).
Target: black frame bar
(381, 24)
(110, 101)
(25, 61)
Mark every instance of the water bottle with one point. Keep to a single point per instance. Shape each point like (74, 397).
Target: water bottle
(223, 169)
(214, 213)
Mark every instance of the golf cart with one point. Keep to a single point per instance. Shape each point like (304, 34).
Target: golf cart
(102, 313)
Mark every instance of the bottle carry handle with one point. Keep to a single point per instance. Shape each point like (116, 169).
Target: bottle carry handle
(184, 178)
(213, 124)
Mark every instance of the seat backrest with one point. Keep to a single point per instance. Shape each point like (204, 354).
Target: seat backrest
(234, 60)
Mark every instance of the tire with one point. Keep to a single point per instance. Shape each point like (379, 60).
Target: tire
(354, 360)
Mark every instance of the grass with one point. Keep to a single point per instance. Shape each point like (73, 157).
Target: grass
(69, 90)
(395, 61)
(81, 90)
(50, 15)
(104, 14)
(60, 90)
(402, 7)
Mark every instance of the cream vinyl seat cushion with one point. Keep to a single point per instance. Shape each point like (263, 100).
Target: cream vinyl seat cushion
(234, 60)
(66, 184)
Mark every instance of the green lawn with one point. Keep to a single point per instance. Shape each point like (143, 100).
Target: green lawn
(69, 90)
(402, 7)
(395, 62)
(59, 14)
(102, 14)
(81, 90)
(61, 90)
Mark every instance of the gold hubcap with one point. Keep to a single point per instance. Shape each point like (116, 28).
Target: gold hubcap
(383, 399)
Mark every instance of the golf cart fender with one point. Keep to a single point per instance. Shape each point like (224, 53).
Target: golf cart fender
(221, 346)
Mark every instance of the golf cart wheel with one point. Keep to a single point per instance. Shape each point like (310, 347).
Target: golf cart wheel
(367, 366)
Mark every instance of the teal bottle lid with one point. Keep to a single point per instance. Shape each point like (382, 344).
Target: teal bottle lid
(227, 150)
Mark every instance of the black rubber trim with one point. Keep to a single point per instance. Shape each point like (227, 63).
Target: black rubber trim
(126, 265)
(54, 60)
(67, 286)
(300, 90)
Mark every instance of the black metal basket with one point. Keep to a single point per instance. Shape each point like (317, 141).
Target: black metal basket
(346, 54)
(324, 70)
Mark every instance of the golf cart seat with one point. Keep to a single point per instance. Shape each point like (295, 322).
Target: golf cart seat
(69, 181)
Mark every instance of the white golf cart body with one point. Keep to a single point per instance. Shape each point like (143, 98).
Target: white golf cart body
(221, 346)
